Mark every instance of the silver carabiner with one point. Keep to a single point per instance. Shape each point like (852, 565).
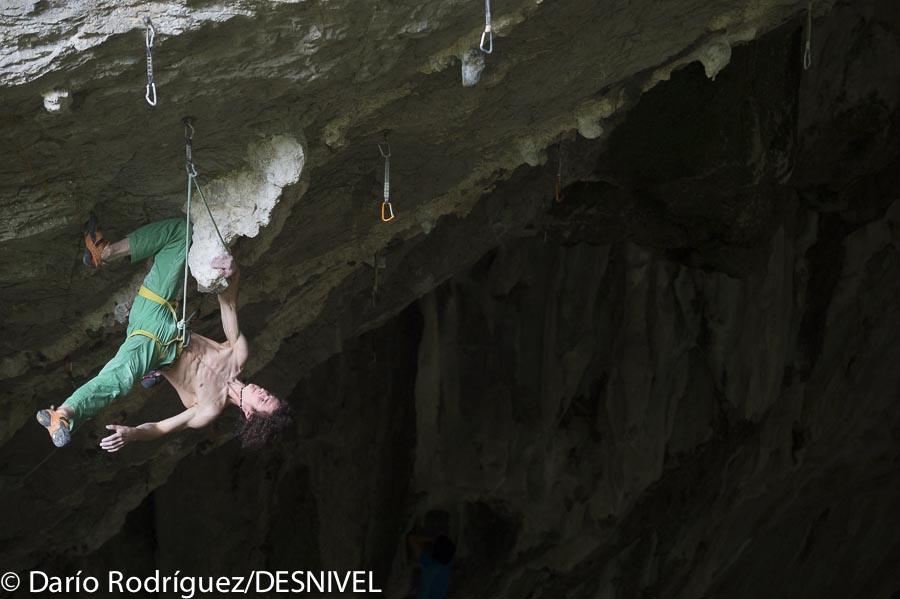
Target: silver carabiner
(151, 87)
(488, 31)
(490, 48)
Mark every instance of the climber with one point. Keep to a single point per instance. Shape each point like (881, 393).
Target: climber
(204, 372)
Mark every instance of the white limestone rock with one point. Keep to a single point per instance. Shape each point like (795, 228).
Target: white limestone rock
(241, 203)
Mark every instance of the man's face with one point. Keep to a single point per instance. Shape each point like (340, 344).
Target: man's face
(258, 401)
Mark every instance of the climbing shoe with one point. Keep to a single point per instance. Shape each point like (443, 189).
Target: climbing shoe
(56, 424)
(93, 243)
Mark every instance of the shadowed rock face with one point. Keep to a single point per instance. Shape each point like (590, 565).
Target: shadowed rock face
(677, 382)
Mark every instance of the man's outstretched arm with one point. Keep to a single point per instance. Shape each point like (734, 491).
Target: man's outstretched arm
(228, 303)
(190, 418)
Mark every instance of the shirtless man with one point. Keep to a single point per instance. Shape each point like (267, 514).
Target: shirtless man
(205, 373)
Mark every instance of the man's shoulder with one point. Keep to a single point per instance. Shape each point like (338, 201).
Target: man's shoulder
(204, 415)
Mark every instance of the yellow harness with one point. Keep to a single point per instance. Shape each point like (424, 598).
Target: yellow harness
(161, 348)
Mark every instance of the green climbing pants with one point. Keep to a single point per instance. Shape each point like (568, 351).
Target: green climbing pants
(165, 241)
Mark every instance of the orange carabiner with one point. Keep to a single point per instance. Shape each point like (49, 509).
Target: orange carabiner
(390, 210)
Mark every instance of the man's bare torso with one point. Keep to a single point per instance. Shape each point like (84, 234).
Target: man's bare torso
(202, 373)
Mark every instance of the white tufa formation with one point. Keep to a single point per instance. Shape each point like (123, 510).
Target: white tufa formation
(241, 203)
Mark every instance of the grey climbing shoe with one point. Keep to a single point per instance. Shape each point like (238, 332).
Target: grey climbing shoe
(57, 425)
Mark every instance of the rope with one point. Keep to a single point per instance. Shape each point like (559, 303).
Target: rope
(208, 211)
(191, 173)
(807, 55)
(151, 84)
(488, 32)
(41, 463)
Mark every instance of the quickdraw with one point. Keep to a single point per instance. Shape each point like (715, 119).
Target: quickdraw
(151, 84)
(387, 211)
(189, 147)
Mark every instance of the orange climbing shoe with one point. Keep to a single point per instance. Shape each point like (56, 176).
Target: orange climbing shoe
(56, 424)
(93, 243)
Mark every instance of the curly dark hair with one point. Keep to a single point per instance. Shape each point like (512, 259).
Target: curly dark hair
(260, 429)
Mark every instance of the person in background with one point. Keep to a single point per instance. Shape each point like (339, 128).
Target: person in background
(433, 555)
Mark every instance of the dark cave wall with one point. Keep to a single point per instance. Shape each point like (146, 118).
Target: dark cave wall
(644, 429)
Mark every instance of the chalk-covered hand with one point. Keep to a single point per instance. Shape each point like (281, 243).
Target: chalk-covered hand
(225, 264)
